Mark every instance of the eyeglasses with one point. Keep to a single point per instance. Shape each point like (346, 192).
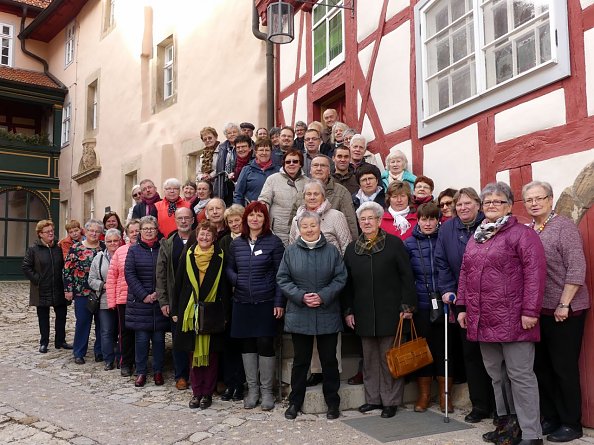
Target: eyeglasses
(95, 232)
(112, 241)
(494, 202)
(445, 203)
(311, 139)
(148, 229)
(369, 219)
(292, 161)
(184, 218)
(536, 200)
(47, 232)
(320, 166)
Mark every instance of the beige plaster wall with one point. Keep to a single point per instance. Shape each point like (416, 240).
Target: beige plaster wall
(19, 59)
(220, 78)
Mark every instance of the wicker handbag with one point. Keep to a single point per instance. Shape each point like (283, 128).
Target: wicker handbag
(404, 358)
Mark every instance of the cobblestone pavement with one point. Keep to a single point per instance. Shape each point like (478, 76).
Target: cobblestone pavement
(47, 399)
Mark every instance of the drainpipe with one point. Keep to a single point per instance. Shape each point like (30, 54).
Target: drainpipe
(269, 67)
(35, 56)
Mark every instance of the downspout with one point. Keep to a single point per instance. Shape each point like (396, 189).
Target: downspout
(35, 56)
(269, 67)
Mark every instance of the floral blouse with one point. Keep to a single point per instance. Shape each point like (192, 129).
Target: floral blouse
(76, 269)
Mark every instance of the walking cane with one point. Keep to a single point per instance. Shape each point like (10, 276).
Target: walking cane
(446, 310)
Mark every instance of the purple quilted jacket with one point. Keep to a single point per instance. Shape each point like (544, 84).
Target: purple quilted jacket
(501, 280)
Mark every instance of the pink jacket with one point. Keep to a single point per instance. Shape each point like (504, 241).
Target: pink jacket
(501, 280)
(116, 286)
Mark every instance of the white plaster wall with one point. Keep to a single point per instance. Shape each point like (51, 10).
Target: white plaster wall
(301, 107)
(365, 58)
(20, 59)
(537, 114)
(303, 61)
(406, 148)
(368, 13)
(390, 87)
(395, 6)
(586, 3)
(287, 104)
(359, 103)
(503, 176)
(589, 52)
(561, 172)
(453, 161)
(367, 130)
(288, 58)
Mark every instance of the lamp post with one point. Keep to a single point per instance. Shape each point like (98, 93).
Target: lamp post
(280, 22)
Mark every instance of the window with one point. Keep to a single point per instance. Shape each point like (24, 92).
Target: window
(66, 124)
(475, 54)
(168, 73)
(69, 48)
(109, 15)
(92, 106)
(89, 205)
(6, 50)
(327, 37)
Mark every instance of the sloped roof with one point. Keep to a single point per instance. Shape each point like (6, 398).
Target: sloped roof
(52, 19)
(27, 77)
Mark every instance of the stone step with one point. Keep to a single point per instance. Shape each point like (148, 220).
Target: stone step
(350, 366)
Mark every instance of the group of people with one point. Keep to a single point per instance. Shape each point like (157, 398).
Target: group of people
(303, 231)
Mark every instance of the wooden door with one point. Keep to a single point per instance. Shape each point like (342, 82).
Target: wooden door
(586, 227)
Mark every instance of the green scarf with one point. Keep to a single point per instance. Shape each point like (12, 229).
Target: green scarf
(190, 322)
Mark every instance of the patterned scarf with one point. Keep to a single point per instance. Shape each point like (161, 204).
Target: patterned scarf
(230, 160)
(364, 246)
(487, 229)
(207, 157)
(400, 221)
(171, 207)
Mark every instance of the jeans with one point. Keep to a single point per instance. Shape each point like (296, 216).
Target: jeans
(143, 339)
(109, 347)
(82, 328)
(43, 315)
(181, 362)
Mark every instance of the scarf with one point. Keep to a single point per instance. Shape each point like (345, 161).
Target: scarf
(400, 221)
(207, 158)
(190, 320)
(172, 207)
(201, 205)
(488, 229)
(364, 198)
(230, 159)
(264, 165)
(364, 246)
(150, 243)
(320, 210)
(418, 201)
(150, 204)
(239, 164)
(398, 177)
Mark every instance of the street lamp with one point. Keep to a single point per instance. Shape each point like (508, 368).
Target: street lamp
(280, 22)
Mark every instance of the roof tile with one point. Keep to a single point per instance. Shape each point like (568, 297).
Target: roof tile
(26, 76)
(38, 3)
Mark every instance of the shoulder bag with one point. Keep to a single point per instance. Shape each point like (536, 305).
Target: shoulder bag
(404, 358)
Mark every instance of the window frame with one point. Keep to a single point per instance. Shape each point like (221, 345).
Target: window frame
(330, 14)
(558, 67)
(168, 67)
(70, 34)
(66, 122)
(10, 38)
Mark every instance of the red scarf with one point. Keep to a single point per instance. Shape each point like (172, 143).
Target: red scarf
(150, 243)
(265, 165)
(239, 164)
(150, 203)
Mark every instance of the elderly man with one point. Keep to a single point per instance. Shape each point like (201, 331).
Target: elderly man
(360, 155)
(167, 262)
(312, 148)
(149, 198)
(300, 128)
(339, 197)
(215, 211)
(247, 129)
(344, 173)
(329, 117)
(167, 207)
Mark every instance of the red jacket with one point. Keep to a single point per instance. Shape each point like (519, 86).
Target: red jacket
(166, 222)
(501, 280)
(116, 286)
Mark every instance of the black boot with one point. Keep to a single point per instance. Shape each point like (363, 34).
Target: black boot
(499, 422)
(511, 433)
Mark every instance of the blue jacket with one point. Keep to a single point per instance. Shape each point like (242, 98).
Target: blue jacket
(140, 269)
(422, 246)
(253, 273)
(250, 182)
(449, 251)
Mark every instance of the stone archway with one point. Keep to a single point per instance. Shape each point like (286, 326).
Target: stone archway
(575, 201)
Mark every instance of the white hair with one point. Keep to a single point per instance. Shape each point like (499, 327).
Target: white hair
(172, 182)
(360, 138)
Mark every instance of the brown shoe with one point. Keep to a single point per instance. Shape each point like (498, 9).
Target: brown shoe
(357, 379)
(140, 380)
(442, 388)
(181, 384)
(158, 379)
(424, 396)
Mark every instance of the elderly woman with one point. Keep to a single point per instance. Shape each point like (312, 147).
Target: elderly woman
(561, 318)
(370, 190)
(281, 190)
(499, 298)
(76, 287)
(254, 175)
(200, 277)
(452, 240)
(224, 167)
(143, 314)
(42, 265)
(136, 193)
(167, 207)
(360, 155)
(117, 296)
(311, 277)
(347, 136)
(423, 190)
(208, 158)
(397, 170)
(258, 303)
(379, 290)
(107, 316)
(74, 235)
(333, 223)
(336, 137)
(400, 217)
(445, 202)
(421, 250)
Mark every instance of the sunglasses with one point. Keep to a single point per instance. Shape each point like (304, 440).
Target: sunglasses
(136, 195)
(292, 161)
(446, 203)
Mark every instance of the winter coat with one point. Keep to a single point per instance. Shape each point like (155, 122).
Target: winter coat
(320, 270)
(183, 291)
(42, 265)
(140, 268)
(407, 177)
(116, 286)
(421, 251)
(98, 277)
(501, 280)
(253, 273)
(279, 194)
(166, 221)
(388, 224)
(449, 251)
(139, 211)
(348, 181)
(165, 274)
(250, 182)
(378, 288)
(334, 226)
(65, 244)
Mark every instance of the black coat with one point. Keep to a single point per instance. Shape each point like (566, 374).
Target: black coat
(42, 265)
(184, 341)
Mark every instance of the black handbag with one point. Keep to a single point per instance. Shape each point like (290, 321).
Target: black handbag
(211, 317)
(436, 313)
(95, 297)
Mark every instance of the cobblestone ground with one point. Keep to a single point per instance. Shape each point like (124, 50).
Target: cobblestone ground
(47, 399)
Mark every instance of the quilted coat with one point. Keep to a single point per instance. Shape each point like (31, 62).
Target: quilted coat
(116, 286)
(140, 267)
(420, 246)
(253, 273)
(305, 270)
(42, 266)
(250, 182)
(501, 280)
